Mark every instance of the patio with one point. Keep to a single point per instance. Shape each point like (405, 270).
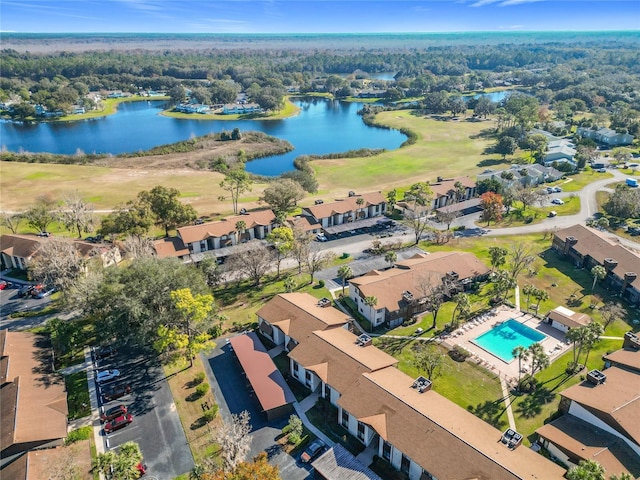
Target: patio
(554, 343)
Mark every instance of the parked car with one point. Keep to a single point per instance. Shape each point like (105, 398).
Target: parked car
(118, 423)
(142, 469)
(44, 292)
(4, 284)
(557, 189)
(113, 412)
(312, 451)
(321, 237)
(44, 234)
(103, 352)
(601, 170)
(114, 391)
(96, 239)
(557, 201)
(107, 375)
(553, 213)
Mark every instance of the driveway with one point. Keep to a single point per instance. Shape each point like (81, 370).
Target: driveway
(234, 395)
(10, 303)
(156, 425)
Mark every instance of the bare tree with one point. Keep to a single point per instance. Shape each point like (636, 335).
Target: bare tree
(430, 360)
(76, 214)
(138, 246)
(11, 221)
(317, 260)
(434, 291)
(251, 260)
(520, 257)
(447, 215)
(416, 219)
(301, 247)
(612, 311)
(57, 263)
(234, 440)
(527, 195)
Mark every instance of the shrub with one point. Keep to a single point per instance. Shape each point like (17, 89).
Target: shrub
(321, 283)
(294, 438)
(199, 378)
(210, 414)
(82, 433)
(202, 389)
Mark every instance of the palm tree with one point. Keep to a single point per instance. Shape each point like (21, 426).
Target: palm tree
(241, 226)
(575, 336)
(594, 330)
(344, 273)
(541, 296)
(390, 257)
(539, 359)
(586, 470)
(528, 290)
(521, 354)
(463, 306)
(370, 301)
(598, 273)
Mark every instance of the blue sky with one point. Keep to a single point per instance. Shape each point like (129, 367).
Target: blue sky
(315, 16)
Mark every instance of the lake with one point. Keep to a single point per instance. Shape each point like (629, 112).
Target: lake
(322, 126)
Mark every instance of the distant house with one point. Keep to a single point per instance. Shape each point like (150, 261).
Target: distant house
(305, 224)
(401, 291)
(446, 193)
(606, 136)
(371, 94)
(533, 174)
(33, 400)
(586, 248)
(560, 151)
(352, 212)
(215, 236)
(171, 247)
(564, 319)
(192, 108)
(234, 108)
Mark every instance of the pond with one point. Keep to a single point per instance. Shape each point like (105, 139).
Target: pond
(322, 126)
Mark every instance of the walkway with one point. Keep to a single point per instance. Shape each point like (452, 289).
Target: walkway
(507, 403)
(301, 409)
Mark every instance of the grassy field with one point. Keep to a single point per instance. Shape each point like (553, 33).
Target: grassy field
(577, 182)
(78, 395)
(534, 215)
(444, 148)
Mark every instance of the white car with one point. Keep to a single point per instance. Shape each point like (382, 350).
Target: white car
(107, 375)
(321, 237)
(557, 201)
(557, 189)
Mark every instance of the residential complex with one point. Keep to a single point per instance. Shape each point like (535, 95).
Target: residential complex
(354, 211)
(532, 174)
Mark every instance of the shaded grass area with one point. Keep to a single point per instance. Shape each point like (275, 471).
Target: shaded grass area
(282, 363)
(86, 335)
(77, 395)
(324, 416)
(533, 215)
(199, 433)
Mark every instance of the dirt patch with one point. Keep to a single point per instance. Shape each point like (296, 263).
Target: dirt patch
(55, 462)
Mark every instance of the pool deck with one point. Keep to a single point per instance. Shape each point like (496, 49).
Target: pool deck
(554, 343)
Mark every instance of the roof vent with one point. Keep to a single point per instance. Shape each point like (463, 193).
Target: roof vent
(610, 264)
(324, 302)
(596, 377)
(364, 340)
(243, 211)
(511, 439)
(631, 340)
(422, 384)
(407, 296)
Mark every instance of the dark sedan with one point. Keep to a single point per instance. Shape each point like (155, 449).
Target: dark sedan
(113, 412)
(111, 392)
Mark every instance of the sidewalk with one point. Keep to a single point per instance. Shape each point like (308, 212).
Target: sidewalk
(301, 409)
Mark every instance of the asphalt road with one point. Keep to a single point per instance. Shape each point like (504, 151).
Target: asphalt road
(156, 425)
(11, 303)
(234, 395)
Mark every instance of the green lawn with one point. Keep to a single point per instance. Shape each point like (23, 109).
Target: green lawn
(575, 183)
(535, 215)
(78, 395)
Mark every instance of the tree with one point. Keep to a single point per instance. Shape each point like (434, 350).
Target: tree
(237, 181)
(390, 257)
(621, 154)
(283, 195)
(11, 221)
(42, 213)
(521, 354)
(429, 359)
(57, 263)
(137, 246)
(592, 337)
(282, 240)
(502, 281)
(419, 194)
(241, 226)
(612, 311)
(122, 465)
(457, 105)
(259, 469)
(528, 290)
(132, 218)
(344, 274)
(598, 273)
(541, 296)
(392, 198)
(520, 257)
(489, 185)
(166, 206)
(76, 214)
(417, 220)
(624, 202)
(177, 94)
(251, 260)
(211, 270)
(491, 207)
(484, 107)
(188, 335)
(498, 257)
(317, 260)
(234, 440)
(301, 247)
(447, 214)
(462, 308)
(576, 336)
(506, 146)
(537, 144)
(434, 291)
(539, 359)
(64, 335)
(586, 470)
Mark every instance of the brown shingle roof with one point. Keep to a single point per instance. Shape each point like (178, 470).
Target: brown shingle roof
(592, 243)
(625, 357)
(441, 437)
(266, 380)
(196, 233)
(569, 318)
(298, 314)
(336, 358)
(444, 187)
(303, 223)
(41, 409)
(585, 441)
(345, 205)
(20, 245)
(410, 275)
(170, 247)
(617, 401)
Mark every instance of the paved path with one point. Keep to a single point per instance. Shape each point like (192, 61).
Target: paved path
(507, 403)
(517, 299)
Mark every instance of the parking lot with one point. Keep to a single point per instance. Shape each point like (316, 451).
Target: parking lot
(10, 303)
(156, 426)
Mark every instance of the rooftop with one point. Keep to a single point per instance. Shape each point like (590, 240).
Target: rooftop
(338, 463)
(568, 317)
(196, 233)
(345, 205)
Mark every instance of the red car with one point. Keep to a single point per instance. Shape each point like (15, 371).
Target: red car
(113, 391)
(4, 284)
(118, 423)
(113, 412)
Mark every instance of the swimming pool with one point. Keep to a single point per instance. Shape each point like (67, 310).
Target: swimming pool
(502, 339)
